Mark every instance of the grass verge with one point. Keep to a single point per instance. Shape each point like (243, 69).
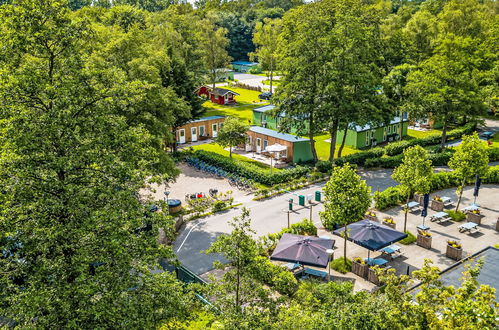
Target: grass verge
(409, 239)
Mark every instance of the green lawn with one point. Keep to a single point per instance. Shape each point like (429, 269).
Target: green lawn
(322, 147)
(274, 82)
(213, 147)
(421, 134)
(246, 102)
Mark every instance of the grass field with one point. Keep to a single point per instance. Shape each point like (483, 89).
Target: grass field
(213, 147)
(322, 148)
(274, 82)
(421, 134)
(246, 102)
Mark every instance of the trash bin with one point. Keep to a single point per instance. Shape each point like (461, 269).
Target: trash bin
(174, 205)
(291, 204)
(318, 196)
(301, 200)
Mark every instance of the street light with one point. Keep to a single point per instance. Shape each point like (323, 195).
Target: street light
(166, 194)
(330, 253)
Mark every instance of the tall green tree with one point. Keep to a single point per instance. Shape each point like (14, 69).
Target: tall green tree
(71, 169)
(471, 159)
(347, 198)
(214, 43)
(413, 174)
(233, 133)
(266, 38)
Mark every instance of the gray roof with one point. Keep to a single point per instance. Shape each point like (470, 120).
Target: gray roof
(206, 118)
(277, 135)
(222, 91)
(265, 108)
(395, 120)
(489, 274)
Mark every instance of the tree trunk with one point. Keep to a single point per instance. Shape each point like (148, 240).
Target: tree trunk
(345, 245)
(230, 152)
(214, 78)
(460, 194)
(271, 77)
(444, 133)
(332, 147)
(174, 143)
(406, 210)
(238, 282)
(311, 135)
(343, 139)
(401, 124)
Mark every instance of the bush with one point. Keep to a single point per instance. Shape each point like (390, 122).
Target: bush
(324, 166)
(250, 171)
(218, 206)
(274, 276)
(456, 216)
(339, 265)
(441, 158)
(398, 147)
(409, 239)
(494, 154)
(384, 162)
(389, 197)
(360, 158)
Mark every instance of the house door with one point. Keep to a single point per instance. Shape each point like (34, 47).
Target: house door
(214, 128)
(249, 144)
(258, 145)
(181, 135)
(194, 134)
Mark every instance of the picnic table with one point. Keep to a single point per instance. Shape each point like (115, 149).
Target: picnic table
(292, 266)
(393, 251)
(376, 262)
(472, 207)
(446, 200)
(440, 217)
(309, 272)
(412, 206)
(468, 227)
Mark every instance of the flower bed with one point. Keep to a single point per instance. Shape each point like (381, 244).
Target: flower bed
(474, 216)
(390, 222)
(424, 239)
(454, 250)
(437, 204)
(370, 215)
(359, 267)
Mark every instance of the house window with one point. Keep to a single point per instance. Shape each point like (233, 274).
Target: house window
(264, 117)
(221, 125)
(389, 129)
(368, 138)
(201, 131)
(265, 144)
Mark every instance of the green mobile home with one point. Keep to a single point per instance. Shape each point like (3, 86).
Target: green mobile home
(368, 136)
(262, 117)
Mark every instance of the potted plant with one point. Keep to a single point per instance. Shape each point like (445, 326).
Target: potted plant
(359, 267)
(388, 221)
(370, 215)
(373, 277)
(419, 198)
(474, 216)
(454, 250)
(437, 204)
(424, 239)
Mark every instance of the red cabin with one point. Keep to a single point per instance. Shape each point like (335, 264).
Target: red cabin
(217, 95)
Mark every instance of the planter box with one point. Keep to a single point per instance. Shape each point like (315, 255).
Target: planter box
(419, 198)
(372, 277)
(391, 225)
(497, 225)
(360, 269)
(454, 253)
(437, 205)
(424, 241)
(369, 217)
(476, 218)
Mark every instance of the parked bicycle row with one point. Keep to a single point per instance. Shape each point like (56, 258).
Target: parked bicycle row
(234, 179)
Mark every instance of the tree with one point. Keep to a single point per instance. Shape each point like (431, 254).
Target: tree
(413, 174)
(347, 199)
(214, 43)
(233, 133)
(71, 169)
(470, 159)
(266, 38)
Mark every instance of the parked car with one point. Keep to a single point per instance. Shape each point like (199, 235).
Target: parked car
(487, 135)
(265, 96)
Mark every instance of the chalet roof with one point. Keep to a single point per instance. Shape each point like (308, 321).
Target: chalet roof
(206, 119)
(277, 135)
(267, 108)
(246, 63)
(222, 91)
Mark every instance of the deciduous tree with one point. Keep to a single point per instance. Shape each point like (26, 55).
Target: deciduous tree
(233, 133)
(266, 39)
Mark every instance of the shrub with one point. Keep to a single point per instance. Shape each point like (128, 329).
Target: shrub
(389, 197)
(398, 147)
(339, 265)
(360, 158)
(218, 206)
(250, 171)
(456, 216)
(324, 166)
(441, 158)
(409, 239)
(384, 162)
(274, 276)
(494, 154)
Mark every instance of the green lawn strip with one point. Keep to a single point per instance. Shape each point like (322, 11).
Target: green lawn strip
(322, 147)
(274, 82)
(213, 147)
(421, 134)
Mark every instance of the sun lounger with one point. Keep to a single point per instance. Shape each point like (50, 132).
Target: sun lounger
(468, 227)
(440, 217)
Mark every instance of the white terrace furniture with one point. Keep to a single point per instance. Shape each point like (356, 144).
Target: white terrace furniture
(393, 251)
(413, 206)
(440, 217)
(468, 227)
(446, 200)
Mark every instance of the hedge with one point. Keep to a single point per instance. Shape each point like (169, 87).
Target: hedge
(393, 196)
(248, 170)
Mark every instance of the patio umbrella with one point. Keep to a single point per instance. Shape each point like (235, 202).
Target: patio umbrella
(371, 235)
(426, 201)
(478, 182)
(305, 250)
(275, 148)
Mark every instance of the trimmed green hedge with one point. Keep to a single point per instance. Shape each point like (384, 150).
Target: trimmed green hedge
(393, 196)
(248, 170)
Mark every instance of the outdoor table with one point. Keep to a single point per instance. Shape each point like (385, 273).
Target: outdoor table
(292, 266)
(468, 227)
(413, 205)
(393, 251)
(423, 227)
(439, 217)
(446, 200)
(315, 273)
(472, 207)
(376, 262)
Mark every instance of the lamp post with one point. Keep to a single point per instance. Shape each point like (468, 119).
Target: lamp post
(330, 253)
(166, 199)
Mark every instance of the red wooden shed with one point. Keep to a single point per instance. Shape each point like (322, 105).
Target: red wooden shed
(217, 95)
